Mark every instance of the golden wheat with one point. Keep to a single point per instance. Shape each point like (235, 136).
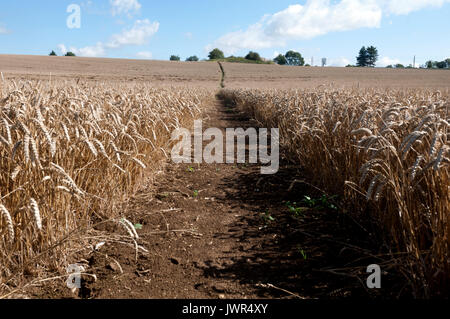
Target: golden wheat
(61, 146)
(389, 146)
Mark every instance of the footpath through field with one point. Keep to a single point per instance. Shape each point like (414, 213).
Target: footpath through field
(224, 231)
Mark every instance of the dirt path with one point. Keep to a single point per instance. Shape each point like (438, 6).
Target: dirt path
(225, 231)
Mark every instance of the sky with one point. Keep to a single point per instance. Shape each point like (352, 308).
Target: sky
(150, 29)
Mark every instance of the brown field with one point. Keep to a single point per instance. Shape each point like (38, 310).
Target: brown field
(86, 177)
(207, 74)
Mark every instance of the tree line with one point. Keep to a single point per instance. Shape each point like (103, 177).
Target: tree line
(53, 53)
(367, 57)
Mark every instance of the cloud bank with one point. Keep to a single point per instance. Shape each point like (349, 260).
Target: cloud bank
(316, 18)
(137, 35)
(125, 7)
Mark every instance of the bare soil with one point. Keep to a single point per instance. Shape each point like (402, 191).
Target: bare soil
(207, 74)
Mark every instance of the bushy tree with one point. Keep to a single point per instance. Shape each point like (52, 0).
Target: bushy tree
(294, 58)
(372, 56)
(362, 59)
(441, 64)
(399, 66)
(53, 53)
(438, 64)
(254, 56)
(70, 54)
(193, 58)
(216, 54)
(174, 58)
(389, 66)
(280, 59)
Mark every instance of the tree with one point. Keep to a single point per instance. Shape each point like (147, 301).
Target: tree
(441, 65)
(174, 58)
(216, 54)
(372, 56)
(70, 54)
(52, 53)
(280, 59)
(389, 66)
(193, 58)
(362, 59)
(429, 64)
(399, 66)
(294, 58)
(253, 56)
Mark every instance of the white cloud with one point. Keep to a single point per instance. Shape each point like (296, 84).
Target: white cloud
(3, 30)
(138, 35)
(125, 6)
(97, 50)
(316, 18)
(62, 48)
(337, 62)
(385, 61)
(144, 55)
(399, 7)
(188, 35)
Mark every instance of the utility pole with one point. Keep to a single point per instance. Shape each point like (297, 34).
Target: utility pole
(312, 61)
(414, 63)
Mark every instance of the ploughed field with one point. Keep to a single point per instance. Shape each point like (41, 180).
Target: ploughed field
(86, 178)
(207, 74)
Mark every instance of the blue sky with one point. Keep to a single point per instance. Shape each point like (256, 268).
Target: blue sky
(336, 30)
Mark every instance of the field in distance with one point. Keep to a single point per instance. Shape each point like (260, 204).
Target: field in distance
(208, 74)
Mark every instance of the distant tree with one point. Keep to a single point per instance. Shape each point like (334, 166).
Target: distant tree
(174, 58)
(447, 61)
(216, 54)
(441, 64)
(349, 66)
(294, 58)
(193, 58)
(372, 56)
(70, 54)
(389, 66)
(280, 59)
(429, 64)
(399, 66)
(307, 64)
(362, 60)
(53, 53)
(253, 56)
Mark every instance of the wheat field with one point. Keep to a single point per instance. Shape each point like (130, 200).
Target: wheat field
(70, 152)
(386, 153)
(73, 150)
